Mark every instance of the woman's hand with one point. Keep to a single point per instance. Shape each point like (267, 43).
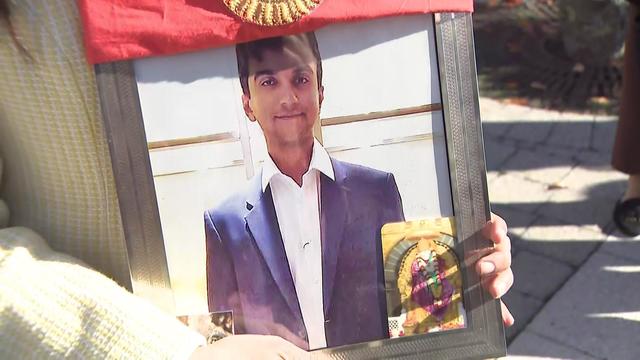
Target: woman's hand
(250, 347)
(495, 267)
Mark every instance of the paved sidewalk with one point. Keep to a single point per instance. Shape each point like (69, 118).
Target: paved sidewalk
(577, 289)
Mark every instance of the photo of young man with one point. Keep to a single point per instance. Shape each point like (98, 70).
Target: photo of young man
(297, 254)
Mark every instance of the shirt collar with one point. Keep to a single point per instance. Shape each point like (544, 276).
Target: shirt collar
(319, 161)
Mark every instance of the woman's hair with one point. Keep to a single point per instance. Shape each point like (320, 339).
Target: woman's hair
(4, 11)
(5, 17)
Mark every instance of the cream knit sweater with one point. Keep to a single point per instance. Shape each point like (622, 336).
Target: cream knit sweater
(52, 306)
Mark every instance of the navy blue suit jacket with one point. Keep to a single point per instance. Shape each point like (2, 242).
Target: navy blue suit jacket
(248, 272)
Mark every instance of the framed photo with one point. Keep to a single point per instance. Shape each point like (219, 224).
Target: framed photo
(324, 187)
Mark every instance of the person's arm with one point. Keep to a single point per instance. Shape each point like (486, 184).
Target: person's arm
(52, 305)
(249, 347)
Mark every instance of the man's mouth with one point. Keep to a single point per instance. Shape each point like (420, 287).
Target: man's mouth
(289, 116)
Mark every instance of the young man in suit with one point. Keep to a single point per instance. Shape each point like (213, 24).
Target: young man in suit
(298, 254)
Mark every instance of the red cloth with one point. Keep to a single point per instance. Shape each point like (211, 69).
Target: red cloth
(127, 29)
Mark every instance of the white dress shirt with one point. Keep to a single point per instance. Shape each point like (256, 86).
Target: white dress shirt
(298, 212)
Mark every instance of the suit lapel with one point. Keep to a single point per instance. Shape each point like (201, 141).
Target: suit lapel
(263, 226)
(332, 222)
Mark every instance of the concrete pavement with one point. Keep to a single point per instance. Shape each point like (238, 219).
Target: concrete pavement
(577, 288)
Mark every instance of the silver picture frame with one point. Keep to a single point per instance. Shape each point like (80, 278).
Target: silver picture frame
(483, 336)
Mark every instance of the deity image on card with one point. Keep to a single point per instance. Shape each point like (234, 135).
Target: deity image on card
(422, 277)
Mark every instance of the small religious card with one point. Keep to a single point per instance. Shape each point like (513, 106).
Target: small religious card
(422, 274)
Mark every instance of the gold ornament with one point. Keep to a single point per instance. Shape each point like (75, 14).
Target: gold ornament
(271, 12)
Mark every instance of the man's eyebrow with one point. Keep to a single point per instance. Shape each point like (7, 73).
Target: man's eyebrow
(299, 68)
(263, 72)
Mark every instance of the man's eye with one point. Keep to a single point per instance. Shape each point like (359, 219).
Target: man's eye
(302, 80)
(268, 82)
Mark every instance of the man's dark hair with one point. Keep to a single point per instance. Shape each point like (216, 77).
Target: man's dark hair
(255, 49)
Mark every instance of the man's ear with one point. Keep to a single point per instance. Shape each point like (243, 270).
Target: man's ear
(320, 96)
(247, 107)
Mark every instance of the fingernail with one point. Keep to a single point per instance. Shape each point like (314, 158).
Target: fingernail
(510, 321)
(487, 267)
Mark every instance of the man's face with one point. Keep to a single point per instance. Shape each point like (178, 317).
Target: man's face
(284, 96)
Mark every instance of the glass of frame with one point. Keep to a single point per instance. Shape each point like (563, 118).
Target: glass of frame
(366, 250)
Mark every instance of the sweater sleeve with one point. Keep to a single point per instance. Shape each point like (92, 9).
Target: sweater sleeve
(53, 306)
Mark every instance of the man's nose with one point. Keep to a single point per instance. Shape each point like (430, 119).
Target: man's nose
(289, 96)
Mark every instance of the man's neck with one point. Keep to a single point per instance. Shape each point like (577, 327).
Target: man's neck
(293, 161)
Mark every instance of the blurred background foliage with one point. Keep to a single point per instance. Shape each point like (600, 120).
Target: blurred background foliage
(556, 54)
